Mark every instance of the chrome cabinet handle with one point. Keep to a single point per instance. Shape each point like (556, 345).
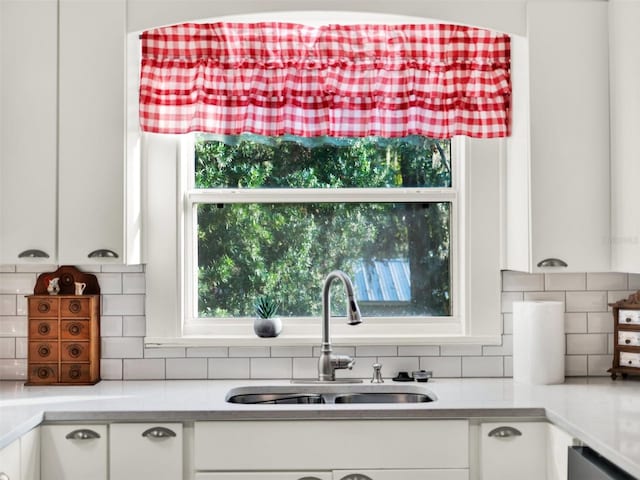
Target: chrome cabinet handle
(103, 253)
(4, 476)
(356, 476)
(505, 432)
(158, 432)
(82, 434)
(32, 253)
(552, 262)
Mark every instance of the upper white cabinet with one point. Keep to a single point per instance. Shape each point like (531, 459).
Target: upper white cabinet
(557, 189)
(91, 130)
(28, 135)
(625, 125)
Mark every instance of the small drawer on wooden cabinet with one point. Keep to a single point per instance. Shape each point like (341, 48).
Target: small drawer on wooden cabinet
(43, 329)
(74, 307)
(628, 359)
(75, 372)
(629, 317)
(43, 307)
(41, 352)
(74, 352)
(74, 329)
(43, 373)
(629, 338)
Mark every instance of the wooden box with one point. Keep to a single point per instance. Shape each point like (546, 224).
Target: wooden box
(626, 337)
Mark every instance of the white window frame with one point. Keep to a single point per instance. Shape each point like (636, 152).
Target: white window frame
(295, 327)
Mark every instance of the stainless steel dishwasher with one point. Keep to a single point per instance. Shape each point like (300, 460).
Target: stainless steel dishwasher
(586, 464)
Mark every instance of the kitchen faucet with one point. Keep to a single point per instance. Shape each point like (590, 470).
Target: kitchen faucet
(329, 362)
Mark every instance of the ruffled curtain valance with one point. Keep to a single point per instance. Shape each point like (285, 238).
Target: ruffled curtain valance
(271, 78)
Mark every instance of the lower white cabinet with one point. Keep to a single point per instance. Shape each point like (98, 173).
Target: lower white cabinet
(10, 461)
(30, 455)
(73, 452)
(145, 450)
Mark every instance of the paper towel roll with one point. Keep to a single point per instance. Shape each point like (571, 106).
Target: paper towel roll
(538, 342)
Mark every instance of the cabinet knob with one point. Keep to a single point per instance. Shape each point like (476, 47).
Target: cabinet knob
(74, 350)
(504, 432)
(627, 341)
(628, 319)
(44, 350)
(44, 372)
(44, 328)
(33, 253)
(82, 434)
(103, 253)
(552, 262)
(158, 432)
(75, 306)
(74, 329)
(44, 307)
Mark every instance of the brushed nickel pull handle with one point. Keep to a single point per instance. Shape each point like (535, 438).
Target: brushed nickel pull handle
(82, 434)
(552, 262)
(103, 253)
(158, 432)
(505, 432)
(356, 476)
(33, 253)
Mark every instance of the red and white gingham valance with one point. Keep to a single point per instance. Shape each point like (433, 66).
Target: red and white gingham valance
(274, 78)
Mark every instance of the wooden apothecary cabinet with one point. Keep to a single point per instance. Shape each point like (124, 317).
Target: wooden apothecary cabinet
(64, 331)
(626, 337)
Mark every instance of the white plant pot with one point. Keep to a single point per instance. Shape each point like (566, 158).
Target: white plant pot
(267, 327)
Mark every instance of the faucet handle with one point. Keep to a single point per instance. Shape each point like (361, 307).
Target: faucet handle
(342, 361)
(377, 373)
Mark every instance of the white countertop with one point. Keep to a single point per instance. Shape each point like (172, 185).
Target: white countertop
(604, 414)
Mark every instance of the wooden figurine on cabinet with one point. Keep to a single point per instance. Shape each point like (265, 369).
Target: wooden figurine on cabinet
(64, 329)
(626, 336)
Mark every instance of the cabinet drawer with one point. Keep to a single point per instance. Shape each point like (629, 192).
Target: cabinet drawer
(43, 373)
(74, 307)
(43, 352)
(628, 359)
(43, 307)
(75, 372)
(403, 474)
(74, 329)
(629, 338)
(73, 452)
(319, 445)
(74, 351)
(263, 476)
(43, 329)
(629, 317)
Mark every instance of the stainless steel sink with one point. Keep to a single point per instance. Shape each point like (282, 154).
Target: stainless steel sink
(330, 394)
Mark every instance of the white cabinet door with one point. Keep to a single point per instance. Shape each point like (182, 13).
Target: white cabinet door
(10, 461)
(28, 143)
(513, 451)
(91, 129)
(263, 476)
(138, 450)
(401, 474)
(625, 124)
(558, 443)
(558, 170)
(30, 455)
(73, 452)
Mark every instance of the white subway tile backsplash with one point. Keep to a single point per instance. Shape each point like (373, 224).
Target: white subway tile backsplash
(302, 351)
(271, 367)
(22, 306)
(600, 322)
(133, 283)
(111, 326)
(11, 326)
(499, 350)
(634, 281)
(442, 367)
(228, 368)
(521, 282)
(607, 281)
(586, 344)
(122, 347)
(613, 297)
(249, 352)
(165, 352)
(206, 352)
(586, 302)
(575, 365)
(22, 347)
(7, 347)
(37, 268)
(575, 322)
(17, 283)
(144, 369)
(13, 369)
(418, 351)
(110, 283)
(565, 281)
(507, 323)
(508, 366)
(122, 304)
(460, 350)
(186, 368)
(392, 365)
(376, 351)
(111, 369)
(306, 367)
(544, 296)
(8, 305)
(598, 365)
(133, 326)
(482, 367)
(507, 300)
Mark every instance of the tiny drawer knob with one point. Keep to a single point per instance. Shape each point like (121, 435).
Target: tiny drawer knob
(74, 351)
(44, 329)
(74, 373)
(627, 341)
(630, 362)
(628, 319)
(75, 307)
(43, 372)
(44, 307)
(74, 329)
(44, 350)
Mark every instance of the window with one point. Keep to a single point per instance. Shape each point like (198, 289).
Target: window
(275, 215)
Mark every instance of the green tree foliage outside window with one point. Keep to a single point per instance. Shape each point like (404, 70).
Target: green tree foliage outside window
(286, 249)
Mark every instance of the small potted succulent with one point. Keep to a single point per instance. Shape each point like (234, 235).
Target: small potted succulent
(266, 324)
